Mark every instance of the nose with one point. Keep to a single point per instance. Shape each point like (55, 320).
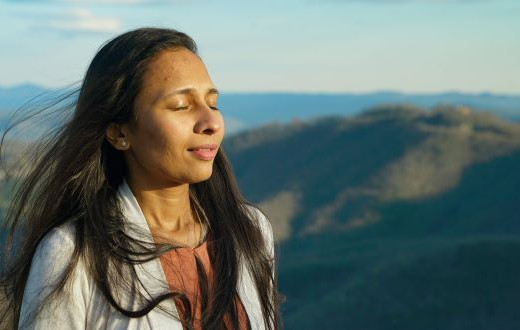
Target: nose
(209, 121)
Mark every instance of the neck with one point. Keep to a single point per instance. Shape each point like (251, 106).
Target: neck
(165, 208)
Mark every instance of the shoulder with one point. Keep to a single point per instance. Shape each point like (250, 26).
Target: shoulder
(263, 222)
(52, 255)
(260, 218)
(55, 249)
(49, 265)
(58, 241)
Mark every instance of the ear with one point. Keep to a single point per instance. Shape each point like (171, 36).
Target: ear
(117, 136)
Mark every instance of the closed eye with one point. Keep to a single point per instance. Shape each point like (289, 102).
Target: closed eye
(187, 107)
(179, 108)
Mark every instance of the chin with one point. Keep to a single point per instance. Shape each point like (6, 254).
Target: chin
(202, 176)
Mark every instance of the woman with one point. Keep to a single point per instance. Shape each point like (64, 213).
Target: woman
(131, 218)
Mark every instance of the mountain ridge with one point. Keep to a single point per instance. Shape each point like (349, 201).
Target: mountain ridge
(246, 110)
(425, 155)
(399, 217)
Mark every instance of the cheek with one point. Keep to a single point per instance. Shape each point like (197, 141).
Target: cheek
(168, 137)
(151, 136)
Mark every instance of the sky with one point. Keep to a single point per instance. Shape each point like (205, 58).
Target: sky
(318, 46)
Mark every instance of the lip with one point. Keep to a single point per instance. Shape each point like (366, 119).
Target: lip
(204, 151)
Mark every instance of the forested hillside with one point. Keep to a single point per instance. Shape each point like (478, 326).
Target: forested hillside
(398, 218)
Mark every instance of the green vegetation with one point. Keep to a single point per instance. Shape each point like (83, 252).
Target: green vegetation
(406, 284)
(398, 218)
(408, 219)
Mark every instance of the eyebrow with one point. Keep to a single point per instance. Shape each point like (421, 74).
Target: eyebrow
(190, 90)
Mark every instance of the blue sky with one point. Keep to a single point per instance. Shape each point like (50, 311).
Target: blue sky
(294, 45)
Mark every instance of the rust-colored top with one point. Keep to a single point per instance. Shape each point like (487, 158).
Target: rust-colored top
(181, 273)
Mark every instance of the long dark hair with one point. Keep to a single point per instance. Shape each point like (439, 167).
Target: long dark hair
(75, 174)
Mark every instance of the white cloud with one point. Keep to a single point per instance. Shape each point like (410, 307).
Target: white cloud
(83, 20)
(116, 2)
(106, 2)
(397, 1)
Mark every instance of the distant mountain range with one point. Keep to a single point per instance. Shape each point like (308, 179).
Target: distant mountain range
(244, 111)
(397, 218)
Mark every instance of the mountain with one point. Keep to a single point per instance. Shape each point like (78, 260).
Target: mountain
(29, 98)
(243, 111)
(397, 218)
(253, 109)
(15, 96)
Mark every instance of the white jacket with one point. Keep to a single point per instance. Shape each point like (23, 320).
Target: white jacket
(82, 305)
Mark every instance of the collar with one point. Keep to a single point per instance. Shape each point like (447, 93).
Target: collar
(133, 213)
(156, 284)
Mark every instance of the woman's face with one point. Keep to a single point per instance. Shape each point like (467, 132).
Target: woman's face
(177, 117)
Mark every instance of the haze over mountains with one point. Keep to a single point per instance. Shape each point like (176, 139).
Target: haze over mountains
(338, 171)
(244, 111)
(398, 218)
(395, 217)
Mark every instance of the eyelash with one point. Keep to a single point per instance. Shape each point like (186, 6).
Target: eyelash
(184, 108)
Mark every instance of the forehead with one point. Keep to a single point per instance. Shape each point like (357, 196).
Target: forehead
(175, 62)
(173, 69)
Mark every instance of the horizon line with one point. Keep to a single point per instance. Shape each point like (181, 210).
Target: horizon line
(306, 92)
